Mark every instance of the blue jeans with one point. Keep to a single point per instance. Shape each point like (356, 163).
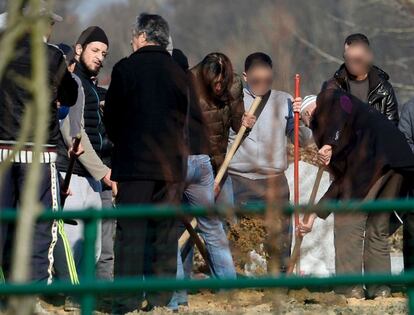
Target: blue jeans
(200, 191)
(226, 195)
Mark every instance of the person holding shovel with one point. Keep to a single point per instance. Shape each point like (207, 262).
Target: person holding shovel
(220, 94)
(261, 160)
(220, 98)
(216, 106)
(369, 159)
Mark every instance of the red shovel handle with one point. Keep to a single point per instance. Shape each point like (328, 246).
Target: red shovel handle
(296, 143)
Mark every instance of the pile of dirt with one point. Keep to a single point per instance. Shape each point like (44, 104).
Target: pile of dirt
(247, 235)
(307, 154)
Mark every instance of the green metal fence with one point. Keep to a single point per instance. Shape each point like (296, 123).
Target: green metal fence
(89, 287)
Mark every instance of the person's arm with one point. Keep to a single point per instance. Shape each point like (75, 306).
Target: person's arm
(89, 159)
(115, 97)
(333, 193)
(237, 105)
(391, 107)
(406, 124)
(334, 120)
(76, 111)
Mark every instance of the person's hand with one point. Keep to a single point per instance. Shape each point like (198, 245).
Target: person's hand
(305, 228)
(78, 152)
(325, 155)
(107, 179)
(110, 183)
(66, 193)
(297, 105)
(248, 120)
(114, 189)
(217, 189)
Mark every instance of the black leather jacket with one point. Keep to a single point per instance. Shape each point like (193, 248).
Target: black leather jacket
(381, 93)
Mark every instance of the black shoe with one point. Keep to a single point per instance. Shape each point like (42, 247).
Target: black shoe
(71, 305)
(121, 306)
(147, 307)
(104, 305)
(356, 293)
(183, 304)
(352, 293)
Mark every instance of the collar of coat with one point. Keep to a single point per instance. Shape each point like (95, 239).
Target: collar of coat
(376, 76)
(151, 49)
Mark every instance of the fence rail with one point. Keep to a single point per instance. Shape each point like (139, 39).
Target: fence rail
(89, 287)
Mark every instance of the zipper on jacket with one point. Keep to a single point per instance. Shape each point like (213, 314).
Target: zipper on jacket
(99, 117)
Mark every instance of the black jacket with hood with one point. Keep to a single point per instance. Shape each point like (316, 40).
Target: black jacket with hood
(365, 145)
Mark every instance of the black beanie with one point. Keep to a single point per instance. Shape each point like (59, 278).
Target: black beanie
(92, 34)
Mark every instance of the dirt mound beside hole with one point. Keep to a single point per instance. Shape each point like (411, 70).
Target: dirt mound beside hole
(246, 235)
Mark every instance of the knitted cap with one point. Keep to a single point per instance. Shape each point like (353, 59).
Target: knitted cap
(308, 100)
(92, 34)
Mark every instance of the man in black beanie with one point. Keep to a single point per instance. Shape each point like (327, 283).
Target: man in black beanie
(90, 174)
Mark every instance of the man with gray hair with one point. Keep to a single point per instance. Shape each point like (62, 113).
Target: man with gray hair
(144, 115)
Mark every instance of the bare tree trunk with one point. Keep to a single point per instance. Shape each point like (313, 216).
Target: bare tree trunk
(30, 206)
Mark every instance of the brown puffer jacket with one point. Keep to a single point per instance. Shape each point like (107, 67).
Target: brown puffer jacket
(220, 117)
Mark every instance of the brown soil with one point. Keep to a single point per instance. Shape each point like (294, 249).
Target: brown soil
(247, 235)
(301, 302)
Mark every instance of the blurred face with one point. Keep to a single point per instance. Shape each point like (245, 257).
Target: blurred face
(259, 78)
(308, 113)
(217, 86)
(358, 59)
(92, 56)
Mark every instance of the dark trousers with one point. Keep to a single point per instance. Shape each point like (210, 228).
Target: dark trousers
(361, 239)
(408, 223)
(408, 241)
(273, 189)
(146, 247)
(11, 188)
